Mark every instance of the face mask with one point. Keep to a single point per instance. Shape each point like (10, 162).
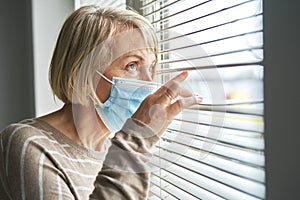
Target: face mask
(126, 95)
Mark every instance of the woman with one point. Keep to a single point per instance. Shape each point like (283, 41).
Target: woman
(102, 68)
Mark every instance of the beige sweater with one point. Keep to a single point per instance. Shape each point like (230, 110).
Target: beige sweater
(39, 162)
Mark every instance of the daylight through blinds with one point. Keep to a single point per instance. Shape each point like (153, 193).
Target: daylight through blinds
(214, 150)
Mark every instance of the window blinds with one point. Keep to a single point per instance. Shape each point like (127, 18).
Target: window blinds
(214, 150)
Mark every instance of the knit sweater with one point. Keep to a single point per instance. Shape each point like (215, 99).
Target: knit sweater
(39, 162)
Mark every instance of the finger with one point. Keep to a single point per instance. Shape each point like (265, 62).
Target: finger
(177, 79)
(176, 89)
(180, 77)
(180, 89)
(192, 100)
(185, 92)
(169, 94)
(183, 103)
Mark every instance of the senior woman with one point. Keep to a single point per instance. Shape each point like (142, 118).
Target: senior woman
(98, 144)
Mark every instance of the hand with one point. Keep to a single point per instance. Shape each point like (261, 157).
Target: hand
(159, 108)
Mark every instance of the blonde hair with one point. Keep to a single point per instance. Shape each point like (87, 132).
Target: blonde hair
(81, 49)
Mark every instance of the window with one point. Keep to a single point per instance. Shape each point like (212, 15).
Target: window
(214, 150)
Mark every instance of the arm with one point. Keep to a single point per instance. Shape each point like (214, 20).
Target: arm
(125, 173)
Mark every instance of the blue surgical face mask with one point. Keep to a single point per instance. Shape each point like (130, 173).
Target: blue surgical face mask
(126, 95)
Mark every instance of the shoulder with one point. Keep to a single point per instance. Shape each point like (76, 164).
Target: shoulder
(19, 133)
(20, 146)
(24, 136)
(23, 147)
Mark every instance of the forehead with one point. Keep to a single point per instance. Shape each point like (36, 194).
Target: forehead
(129, 43)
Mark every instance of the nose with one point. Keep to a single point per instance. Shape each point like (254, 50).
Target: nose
(146, 75)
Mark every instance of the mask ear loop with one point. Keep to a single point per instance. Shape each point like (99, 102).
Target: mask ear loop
(98, 103)
(105, 77)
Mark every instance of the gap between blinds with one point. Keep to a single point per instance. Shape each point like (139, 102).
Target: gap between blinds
(214, 150)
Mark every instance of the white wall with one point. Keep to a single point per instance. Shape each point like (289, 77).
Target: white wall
(47, 19)
(103, 3)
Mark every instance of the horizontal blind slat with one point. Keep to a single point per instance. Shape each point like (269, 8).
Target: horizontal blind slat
(252, 107)
(170, 38)
(170, 190)
(145, 5)
(171, 135)
(212, 20)
(206, 147)
(239, 41)
(228, 120)
(194, 128)
(202, 16)
(156, 192)
(161, 8)
(166, 182)
(216, 33)
(224, 164)
(224, 136)
(211, 55)
(181, 11)
(210, 183)
(203, 67)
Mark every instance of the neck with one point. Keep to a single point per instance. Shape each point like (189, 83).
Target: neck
(81, 124)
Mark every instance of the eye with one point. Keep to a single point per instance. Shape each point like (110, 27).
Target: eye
(132, 66)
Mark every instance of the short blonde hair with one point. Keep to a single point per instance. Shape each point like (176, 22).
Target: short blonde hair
(77, 54)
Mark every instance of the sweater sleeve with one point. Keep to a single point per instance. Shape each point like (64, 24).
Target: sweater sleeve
(125, 173)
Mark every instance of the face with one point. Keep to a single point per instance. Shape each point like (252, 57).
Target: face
(131, 59)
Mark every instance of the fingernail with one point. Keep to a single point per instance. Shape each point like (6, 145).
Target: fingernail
(198, 98)
(185, 73)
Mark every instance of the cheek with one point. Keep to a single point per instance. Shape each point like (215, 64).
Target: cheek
(103, 90)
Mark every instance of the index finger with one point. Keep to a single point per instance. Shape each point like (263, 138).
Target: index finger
(179, 78)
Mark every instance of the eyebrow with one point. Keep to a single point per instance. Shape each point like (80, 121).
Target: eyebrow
(136, 56)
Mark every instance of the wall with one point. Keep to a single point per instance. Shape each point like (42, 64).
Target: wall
(102, 3)
(16, 62)
(282, 49)
(28, 34)
(48, 18)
